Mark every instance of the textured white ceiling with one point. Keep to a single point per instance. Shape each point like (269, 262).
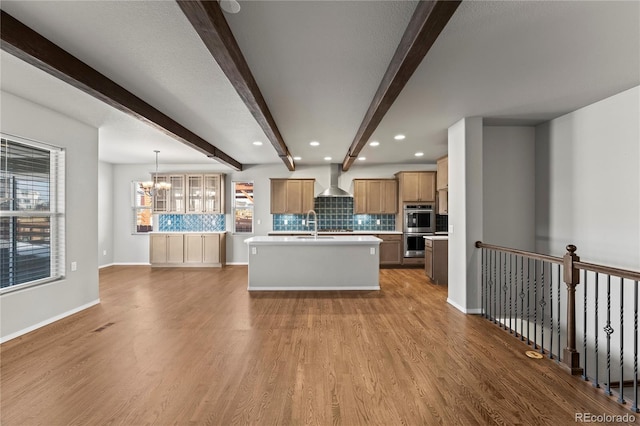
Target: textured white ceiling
(318, 64)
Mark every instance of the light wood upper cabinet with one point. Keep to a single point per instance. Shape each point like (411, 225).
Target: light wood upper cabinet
(417, 186)
(292, 196)
(192, 193)
(375, 196)
(443, 174)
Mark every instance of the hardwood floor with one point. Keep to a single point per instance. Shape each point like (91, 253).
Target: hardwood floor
(192, 346)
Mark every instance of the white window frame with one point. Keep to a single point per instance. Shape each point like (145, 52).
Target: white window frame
(55, 213)
(235, 207)
(135, 207)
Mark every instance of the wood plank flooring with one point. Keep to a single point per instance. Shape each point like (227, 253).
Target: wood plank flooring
(192, 346)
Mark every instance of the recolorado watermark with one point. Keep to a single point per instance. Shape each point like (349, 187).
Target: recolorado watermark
(604, 418)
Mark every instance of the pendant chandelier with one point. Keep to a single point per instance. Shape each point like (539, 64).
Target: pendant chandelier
(154, 185)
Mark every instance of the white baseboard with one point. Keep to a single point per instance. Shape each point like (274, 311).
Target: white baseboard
(237, 263)
(302, 288)
(475, 311)
(131, 264)
(106, 266)
(48, 321)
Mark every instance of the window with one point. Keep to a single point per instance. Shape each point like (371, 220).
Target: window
(142, 207)
(31, 213)
(243, 207)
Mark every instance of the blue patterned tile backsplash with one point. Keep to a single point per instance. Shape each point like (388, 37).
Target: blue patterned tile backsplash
(336, 213)
(191, 223)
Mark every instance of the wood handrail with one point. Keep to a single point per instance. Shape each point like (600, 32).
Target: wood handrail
(622, 273)
(537, 256)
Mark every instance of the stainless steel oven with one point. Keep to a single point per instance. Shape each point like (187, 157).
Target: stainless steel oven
(414, 245)
(419, 218)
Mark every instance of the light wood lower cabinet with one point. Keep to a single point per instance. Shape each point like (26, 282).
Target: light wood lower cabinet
(188, 250)
(390, 249)
(436, 260)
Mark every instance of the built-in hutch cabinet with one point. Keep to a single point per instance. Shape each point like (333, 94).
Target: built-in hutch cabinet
(292, 196)
(188, 249)
(375, 196)
(190, 193)
(417, 186)
(443, 185)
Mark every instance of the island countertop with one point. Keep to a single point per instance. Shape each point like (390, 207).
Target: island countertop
(309, 240)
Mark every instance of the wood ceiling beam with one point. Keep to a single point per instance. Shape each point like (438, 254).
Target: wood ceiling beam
(208, 20)
(26, 44)
(426, 24)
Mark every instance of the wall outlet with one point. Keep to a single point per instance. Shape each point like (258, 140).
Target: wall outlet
(377, 221)
(372, 250)
(259, 221)
(286, 222)
(74, 266)
(104, 252)
(304, 222)
(254, 250)
(168, 221)
(450, 229)
(359, 221)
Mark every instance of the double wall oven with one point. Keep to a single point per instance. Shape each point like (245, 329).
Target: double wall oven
(419, 220)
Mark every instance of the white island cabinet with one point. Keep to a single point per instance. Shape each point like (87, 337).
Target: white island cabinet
(308, 263)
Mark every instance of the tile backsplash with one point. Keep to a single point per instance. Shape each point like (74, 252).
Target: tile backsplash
(191, 223)
(336, 213)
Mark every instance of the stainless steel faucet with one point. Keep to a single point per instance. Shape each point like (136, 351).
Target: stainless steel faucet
(315, 222)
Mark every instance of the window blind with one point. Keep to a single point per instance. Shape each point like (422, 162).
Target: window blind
(31, 213)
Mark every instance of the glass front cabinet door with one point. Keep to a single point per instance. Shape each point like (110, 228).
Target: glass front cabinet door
(212, 194)
(194, 188)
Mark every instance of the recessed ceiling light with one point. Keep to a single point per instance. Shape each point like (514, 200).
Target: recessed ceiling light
(399, 137)
(257, 143)
(314, 143)
(327, 158)
(374, 143)
(419, 154)
(297, 158)
(362, 158)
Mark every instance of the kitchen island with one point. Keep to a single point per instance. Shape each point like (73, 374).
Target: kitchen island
(314, 263)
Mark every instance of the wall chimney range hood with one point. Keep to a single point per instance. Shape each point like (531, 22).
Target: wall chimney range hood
(333, 190)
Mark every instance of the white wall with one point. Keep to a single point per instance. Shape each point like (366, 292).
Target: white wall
(134, 249)
(105, 214)
(588, 182)
(465, 213)
(24, 310)
(508, 186)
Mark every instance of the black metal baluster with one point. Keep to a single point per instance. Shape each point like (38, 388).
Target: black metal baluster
(495, 287)
(585, 376)
(490, 297)
(535, 303)
(499, 286)
(528, 301)
(551, 311)
(510, 287)
(542, 304)
(608, 330)
(621, 396)
(634, 406)
(504, 290)
(559, 280)
(483, 277)
(522, 298)
(595, 328)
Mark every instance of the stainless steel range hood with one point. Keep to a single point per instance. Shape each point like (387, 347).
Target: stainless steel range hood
(333, 190)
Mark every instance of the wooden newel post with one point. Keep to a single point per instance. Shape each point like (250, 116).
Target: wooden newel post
(571, 357)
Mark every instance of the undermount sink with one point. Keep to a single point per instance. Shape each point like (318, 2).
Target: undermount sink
(311, 237)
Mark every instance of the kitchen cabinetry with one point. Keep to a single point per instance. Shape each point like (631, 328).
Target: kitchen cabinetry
(390, 249)
(375, 196)
(442, 178)
(436, 260)
(205, 193)
(188, 250)
(417, 186)
(293, 196)
(192, 193)
(166, 249)
(442, 175)
(170, 200)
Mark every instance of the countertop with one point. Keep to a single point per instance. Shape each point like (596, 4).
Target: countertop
(436, 237)
(275, 233)
(187, 232)
(324, 240)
